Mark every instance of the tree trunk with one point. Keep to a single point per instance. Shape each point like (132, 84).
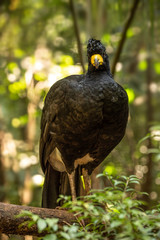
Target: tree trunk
(149, 118)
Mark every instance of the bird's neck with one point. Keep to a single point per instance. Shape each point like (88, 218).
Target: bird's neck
(105, 70)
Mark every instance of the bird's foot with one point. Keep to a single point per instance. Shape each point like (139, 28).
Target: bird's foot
(71, 177)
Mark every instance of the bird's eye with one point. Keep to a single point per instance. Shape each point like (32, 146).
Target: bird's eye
(96, 60)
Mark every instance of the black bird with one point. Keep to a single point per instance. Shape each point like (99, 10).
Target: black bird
(83, 119)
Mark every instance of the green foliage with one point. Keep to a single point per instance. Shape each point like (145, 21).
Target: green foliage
(110, 213)
(131, 95)
(110, 169)
(142, 65)
(157, 67)
(17, 88)
(39, 76)
(38, 47)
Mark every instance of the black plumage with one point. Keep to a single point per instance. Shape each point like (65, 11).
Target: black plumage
(83, 119)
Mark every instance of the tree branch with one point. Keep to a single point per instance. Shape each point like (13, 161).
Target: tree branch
(76, 28)
(123, 37)
(9, 224)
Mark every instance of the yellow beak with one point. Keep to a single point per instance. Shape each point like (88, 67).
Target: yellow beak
(96, 60)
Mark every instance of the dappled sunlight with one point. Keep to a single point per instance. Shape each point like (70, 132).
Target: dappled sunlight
(143, 149)
(119, 67)
(29, 79)
(43, 68)
(38, 180)
(153, 87)
(14, 160)
(9, 148)
(139, 100)
(156, 135)
(27, 161)
(153, 195)
(140, 170)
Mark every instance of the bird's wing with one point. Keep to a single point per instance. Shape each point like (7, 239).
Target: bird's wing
(54, 104)
(52, 101)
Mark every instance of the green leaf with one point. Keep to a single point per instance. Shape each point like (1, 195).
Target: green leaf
(50, 237)
(35, 217)
(133, 176)
(115, 224)
(124, 177)
(65, 235)
(24, 213)
(153, 150)
(51, 221)
(31, 223)
(134, 181)
(41, 224)
(73, 228)
(55, 227)
(130, 190)
(144, 138)
(99, 175)
(116, 183)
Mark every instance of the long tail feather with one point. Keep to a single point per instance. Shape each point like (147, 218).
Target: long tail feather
(57, 183)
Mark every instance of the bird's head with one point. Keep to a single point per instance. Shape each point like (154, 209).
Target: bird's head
(97, 56)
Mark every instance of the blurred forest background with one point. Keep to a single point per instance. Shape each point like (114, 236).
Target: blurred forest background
(38, 46)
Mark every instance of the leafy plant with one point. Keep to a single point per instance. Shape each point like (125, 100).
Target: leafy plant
(110, 213)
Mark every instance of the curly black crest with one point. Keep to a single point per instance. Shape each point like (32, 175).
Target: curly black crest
(95, 46)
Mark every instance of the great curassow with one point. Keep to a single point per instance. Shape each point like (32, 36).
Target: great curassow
(83, 119)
